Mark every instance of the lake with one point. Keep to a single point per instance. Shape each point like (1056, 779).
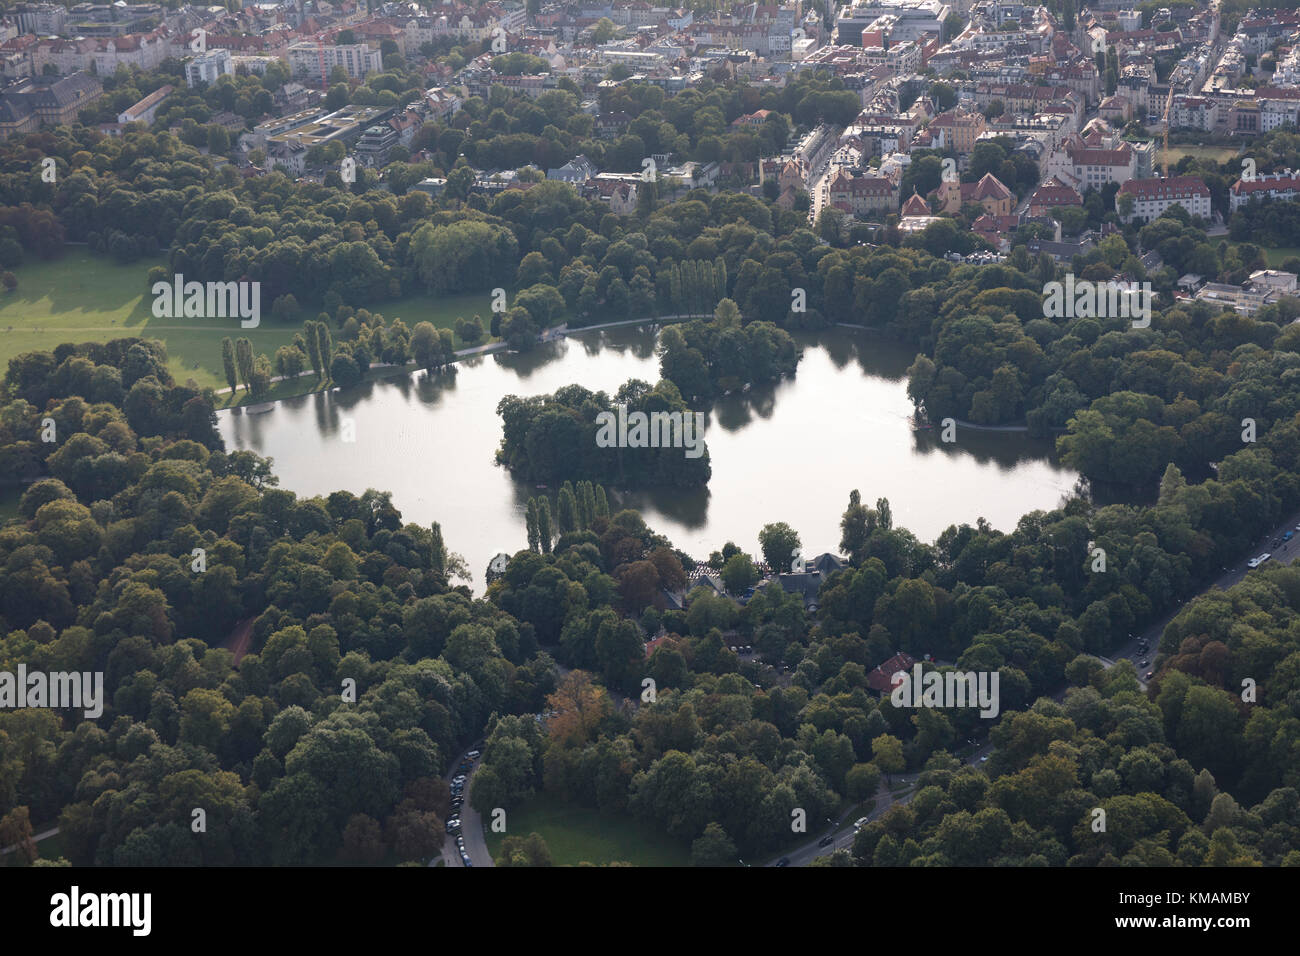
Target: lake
(788, 452)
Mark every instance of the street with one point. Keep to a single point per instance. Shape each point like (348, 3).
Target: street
(885, 798)
(471, 823)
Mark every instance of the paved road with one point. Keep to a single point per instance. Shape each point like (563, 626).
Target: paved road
(1284, 553)
(885, 798)
(471, 823)
(36, 838)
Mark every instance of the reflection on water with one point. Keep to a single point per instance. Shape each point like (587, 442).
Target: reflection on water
(789, 452)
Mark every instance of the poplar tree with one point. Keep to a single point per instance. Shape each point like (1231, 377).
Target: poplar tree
(567, 509)
(325, 346)
(437, 549)
(530, 518)
(313, 346)
(244, 361)
(544, 523)
(228, 363)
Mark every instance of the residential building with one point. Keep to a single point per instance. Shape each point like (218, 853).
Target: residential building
(860, 195)
(317, 61)
(207, 67)
(989, 192)
(577, 171)
(146, 109)
(1151, 197)
(1284, 186)
(958, 129)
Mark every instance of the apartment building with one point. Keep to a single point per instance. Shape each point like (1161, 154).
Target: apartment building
(316, 62)
(208, 67)
(1151, 197)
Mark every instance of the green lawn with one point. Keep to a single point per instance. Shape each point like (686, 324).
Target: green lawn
(82, 297)
(1218, 154)
(1277, 256)
(577, 835)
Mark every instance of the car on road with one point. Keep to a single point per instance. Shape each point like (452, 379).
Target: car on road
(473, 755)
(1288, 536)
(1143, 663)
(859, 823)
(826, 841)
(1256, 562)
(459, 778)
(984, 759)
(453, 823)
(1149, 675)
(784, 861)
(464, 858)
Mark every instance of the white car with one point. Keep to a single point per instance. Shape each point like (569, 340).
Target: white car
(1256, 562)
(859, 823)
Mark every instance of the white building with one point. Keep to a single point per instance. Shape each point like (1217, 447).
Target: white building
(206, 67)
(1151, 197)
(307, 59)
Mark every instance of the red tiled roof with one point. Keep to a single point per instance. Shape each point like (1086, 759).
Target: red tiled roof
(1175, 187)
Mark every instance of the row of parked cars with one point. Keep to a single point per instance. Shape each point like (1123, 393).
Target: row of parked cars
(458, 800)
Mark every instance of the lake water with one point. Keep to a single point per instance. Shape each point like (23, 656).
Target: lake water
(790, 452)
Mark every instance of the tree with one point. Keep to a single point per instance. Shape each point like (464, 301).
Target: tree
(713, 848)
(580, 707)
(887, 754)
(363, 843)
(523, 851)
(16, 831)
(544, 533)
(727, 314)
(244, 361)
(324, 346)
(228, 363)
(862, 781)
(779, 542)
(739, 573)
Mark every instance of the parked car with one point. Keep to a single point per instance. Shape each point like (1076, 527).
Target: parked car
(1288, 536)
(473, 755)
(464, 858)
(1143, 663)
(859, 823)
(1149, 675)
(1256, 562)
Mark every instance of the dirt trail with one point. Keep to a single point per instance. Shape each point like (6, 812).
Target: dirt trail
(239, 639)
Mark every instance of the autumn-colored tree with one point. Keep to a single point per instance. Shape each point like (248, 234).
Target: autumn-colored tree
(580, 705)
(16, 831)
